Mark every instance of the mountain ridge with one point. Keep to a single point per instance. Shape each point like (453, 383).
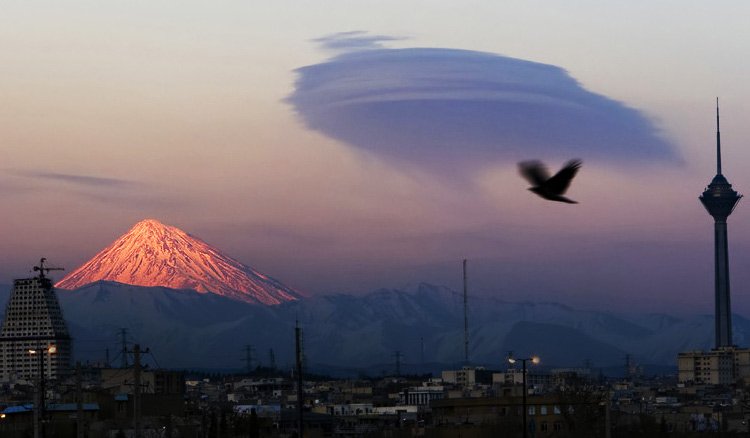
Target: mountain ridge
(208, 331)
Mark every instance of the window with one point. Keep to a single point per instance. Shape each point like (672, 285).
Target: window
(543, 410)
(532, 410)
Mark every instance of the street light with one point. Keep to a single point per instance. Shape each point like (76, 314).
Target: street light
(535, 360)
(41, 396)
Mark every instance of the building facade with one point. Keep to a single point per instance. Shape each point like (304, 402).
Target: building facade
(34, 335)
(720, 366)
(468, 376)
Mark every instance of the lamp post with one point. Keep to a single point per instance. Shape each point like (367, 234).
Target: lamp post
(41, 396)
(534, 360)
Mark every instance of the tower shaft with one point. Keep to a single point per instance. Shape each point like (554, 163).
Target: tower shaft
(723, 320)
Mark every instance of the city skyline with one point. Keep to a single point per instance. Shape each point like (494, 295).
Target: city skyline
(195, 116)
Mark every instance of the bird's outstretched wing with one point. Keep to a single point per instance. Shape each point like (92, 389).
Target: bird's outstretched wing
(534, 171)
(559, 183)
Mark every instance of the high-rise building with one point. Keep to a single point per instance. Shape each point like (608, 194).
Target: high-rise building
(720, 200)
(34, 326)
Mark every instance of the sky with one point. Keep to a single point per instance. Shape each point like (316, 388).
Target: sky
(347, 146)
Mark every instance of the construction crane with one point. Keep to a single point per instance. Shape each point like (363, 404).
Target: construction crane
(41, 269)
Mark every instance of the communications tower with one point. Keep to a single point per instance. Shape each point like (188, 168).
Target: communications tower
(720, 199)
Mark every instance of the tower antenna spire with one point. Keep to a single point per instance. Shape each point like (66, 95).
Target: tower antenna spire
(718, 140)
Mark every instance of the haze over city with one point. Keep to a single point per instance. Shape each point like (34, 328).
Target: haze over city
(266, 130)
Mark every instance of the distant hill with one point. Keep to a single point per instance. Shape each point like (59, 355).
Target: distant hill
(187, 329)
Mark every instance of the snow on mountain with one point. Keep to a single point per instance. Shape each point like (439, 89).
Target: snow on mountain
(189, 329)
(357, 330)
(154, 254)
(183, 328)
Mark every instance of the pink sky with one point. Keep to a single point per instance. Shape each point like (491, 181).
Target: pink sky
(113, 114)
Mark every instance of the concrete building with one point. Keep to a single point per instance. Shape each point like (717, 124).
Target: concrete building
(422, 395)
(468, 376)
(548, 416)
(511, 376)
(720, 366)
(34, 334)
(120, 381)
(464, 377)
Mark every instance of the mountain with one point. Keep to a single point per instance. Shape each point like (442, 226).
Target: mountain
(186, 329)
(182, 328)
(154, 254)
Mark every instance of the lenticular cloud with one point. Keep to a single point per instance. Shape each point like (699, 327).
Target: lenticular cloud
(455, 110)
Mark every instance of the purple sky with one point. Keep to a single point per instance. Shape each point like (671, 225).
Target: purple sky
(344, 161)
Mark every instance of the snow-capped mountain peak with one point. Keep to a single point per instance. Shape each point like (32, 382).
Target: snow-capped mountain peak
(155, 254)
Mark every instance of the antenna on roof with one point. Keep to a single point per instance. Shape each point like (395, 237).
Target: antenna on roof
(718, 140)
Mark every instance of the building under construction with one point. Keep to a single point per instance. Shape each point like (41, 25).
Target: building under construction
(34, 336)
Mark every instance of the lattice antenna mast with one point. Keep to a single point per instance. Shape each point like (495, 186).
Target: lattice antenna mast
(300, 387)
(466, 316)
(42, 269)
(123, 348)
(718, 140)
(249, 350)
(271, 359)
(421, 350)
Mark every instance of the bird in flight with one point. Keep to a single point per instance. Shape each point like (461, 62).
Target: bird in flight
(551, 188)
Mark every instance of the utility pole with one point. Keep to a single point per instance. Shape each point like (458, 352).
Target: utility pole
(627, 366)
(466, 317)
(300, 389)
(397, 355)
(607, 417)
(39, 431)
(40, 396)
(421, 351)
(137, 390)
(39, 404)
(249, 358)
(271, 359)
(79, 402)
(124, 347)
